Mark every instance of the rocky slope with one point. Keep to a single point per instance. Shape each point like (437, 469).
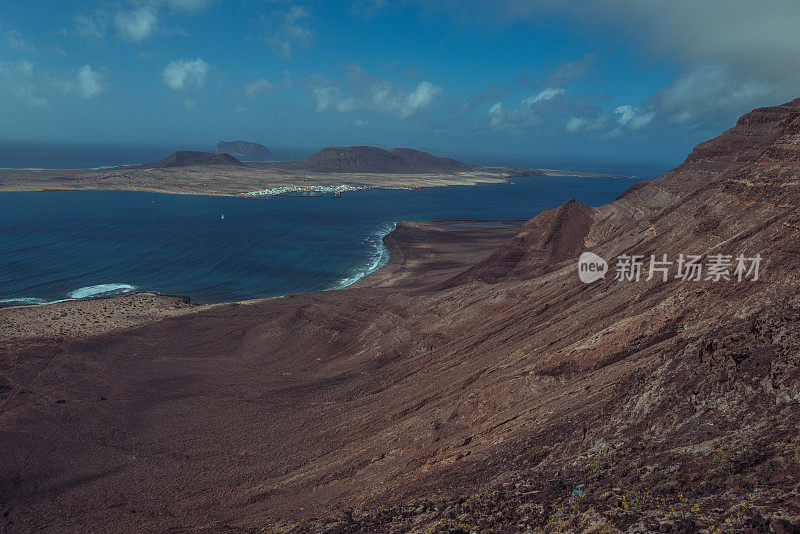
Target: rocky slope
(372, 159)
(242, 148)
(502, 397)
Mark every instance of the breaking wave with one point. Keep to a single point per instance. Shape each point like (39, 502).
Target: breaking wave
(101, 290)
(379, 257)
(82, 293)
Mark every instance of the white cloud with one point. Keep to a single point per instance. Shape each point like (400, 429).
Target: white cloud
(585, 124)
(330, 98)
(290, 32)
(90, 83)
(548, 94)
(422, 97)
(733, 54)
(254, 87)
(715, 92)
(625, 114)
(137, 24)
(625, 117)
(531, 111)
(386, 97)
(497, 115)
(364, 92)
(19, 81)
(628, 116)
(182, 75)
(24, 83)
(360, 123)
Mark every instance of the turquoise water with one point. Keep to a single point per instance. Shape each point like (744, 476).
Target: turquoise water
(82, 244)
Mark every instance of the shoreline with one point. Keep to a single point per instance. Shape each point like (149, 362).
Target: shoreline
(404, 244)
(126, 290)
(254, 180)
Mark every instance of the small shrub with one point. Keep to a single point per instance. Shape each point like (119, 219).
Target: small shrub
(727, 461)
(600, 463)
(481, 499)
(569, 509)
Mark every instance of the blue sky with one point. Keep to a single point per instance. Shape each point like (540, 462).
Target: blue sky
(504, 80)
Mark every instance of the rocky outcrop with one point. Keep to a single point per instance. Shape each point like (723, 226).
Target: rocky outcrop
(542, 244)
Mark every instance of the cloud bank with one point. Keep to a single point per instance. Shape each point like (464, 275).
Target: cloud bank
(732, 55)
(135, 25)
(369, 93)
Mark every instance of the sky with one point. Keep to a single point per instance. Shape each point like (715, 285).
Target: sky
(490, 81)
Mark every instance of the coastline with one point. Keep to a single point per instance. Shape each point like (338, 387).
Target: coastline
(416, 253)
(254, 179)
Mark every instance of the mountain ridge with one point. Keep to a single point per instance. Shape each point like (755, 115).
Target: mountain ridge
(186, 158)
(502, 394)
(373, 159)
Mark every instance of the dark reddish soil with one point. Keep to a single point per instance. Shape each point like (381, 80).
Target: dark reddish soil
(455, 391)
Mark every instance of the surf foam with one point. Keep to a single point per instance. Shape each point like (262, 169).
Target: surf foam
(379, 258)
(101, 290)
(82, 293)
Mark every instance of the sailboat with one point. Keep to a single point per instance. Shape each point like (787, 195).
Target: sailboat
(222, 217)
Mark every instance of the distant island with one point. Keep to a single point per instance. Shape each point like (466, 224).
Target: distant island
(373, 159)
(473, 380)
(186, 158)
(331, 170)
(242, 148)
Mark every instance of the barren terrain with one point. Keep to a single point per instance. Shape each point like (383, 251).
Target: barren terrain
(480, 391)
(247, 178)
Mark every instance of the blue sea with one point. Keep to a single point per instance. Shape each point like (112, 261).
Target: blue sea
(64, 245)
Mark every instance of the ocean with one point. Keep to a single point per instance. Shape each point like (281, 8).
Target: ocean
(62, 245)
